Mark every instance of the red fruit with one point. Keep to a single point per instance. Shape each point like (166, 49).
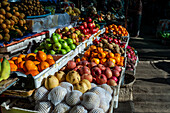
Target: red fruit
(85, 62)
(102, 67)
(115, 73)
(115, 78)
(96, 71)
(60, 34)
(85, 24)
(108, 72)
(90, 25)
(94, 25)
(88, 19)
(85, 70)
(115, 41)
(87, 76)
(71, 65)
(111, 82)
(101, 79)
(109, 64)
(87, 31)
(84, 31)
(78, 68)
(91, 64)
(117, 68)
(81, 27)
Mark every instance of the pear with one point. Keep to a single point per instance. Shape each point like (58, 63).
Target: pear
(61, 76)
(51, 82)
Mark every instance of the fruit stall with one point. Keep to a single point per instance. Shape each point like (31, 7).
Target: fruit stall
(60, 62)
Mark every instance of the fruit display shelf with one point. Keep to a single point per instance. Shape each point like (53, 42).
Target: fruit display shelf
(37, 80)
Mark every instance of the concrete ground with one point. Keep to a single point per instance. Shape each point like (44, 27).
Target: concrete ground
(151, 90)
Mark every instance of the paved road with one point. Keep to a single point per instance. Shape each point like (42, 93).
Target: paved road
(151, 91)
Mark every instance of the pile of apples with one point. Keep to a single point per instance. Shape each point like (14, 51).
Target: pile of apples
(131, 58)
(56, 45)
(88, 27)
(95, 73)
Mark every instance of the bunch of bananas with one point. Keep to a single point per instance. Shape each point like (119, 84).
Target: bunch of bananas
(4, 69)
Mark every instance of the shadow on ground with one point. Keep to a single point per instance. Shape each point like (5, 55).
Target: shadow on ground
(163, 65)
(156, 80)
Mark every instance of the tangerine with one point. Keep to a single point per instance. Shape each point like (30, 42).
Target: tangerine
(50, 61)
(11, 61)
(14, 58)
(41, 56)
(42, 66)
(49, 57)
(13, 67)
(29, 65)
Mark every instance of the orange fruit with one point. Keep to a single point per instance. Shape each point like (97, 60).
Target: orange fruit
(36, 62)
(49, 57)
(13, 67)
(18, 60)
(21, 64)
(42, 66)
(50, 61)
(112, 59)
(29, 65)
(41, 56)
(32, 72)
(21, 56)
(31, 56)
(11, 61)
(14, 58)
(78, 60)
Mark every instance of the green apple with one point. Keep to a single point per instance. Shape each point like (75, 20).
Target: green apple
(57, 46)
(59, 36)
(69, 41)
(48, 46)
(68, 49)
(36, 50)
(52, 52)
(63, 43)
(63, 51)
(54, 39)
(72, 46)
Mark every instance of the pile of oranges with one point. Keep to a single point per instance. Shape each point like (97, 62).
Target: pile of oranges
(31, 63)
(116, 30)
(99, 56)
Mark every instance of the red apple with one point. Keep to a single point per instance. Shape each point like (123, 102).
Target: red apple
(85, 31)
(88, 19)
(102, 67)
(111, 82)
(109, 64)
(117, 68)
(94, 25)
(96, 71)
(101, 79)
(58, 30)
(85, 70)
(85, 24)
(115, 73)
(115, 41)
(78, 68)
(114, 78)
(90, 25)
(85, 62)
(91, 64)
(71, 65)
(92, 31)
(108, 72)
(81, 27)
(87, 76)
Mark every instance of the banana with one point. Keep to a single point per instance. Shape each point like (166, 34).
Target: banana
(5, 70)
